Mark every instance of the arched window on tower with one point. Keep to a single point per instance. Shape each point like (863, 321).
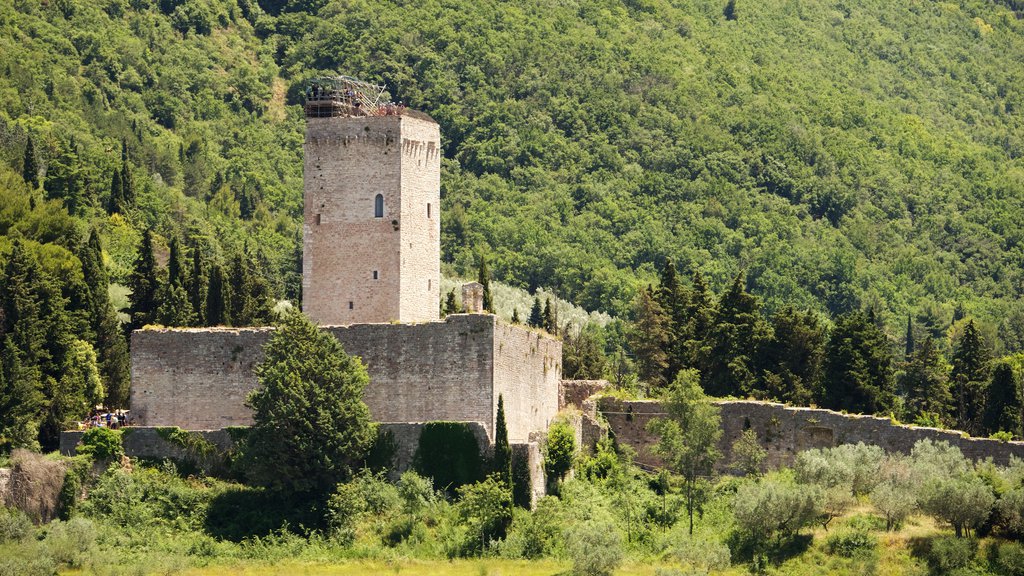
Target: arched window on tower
(378, 206)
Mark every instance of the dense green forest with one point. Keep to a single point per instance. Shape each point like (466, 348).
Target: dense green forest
(850, 168)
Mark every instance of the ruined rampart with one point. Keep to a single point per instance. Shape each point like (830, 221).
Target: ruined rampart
(198, 379)
(784, 431)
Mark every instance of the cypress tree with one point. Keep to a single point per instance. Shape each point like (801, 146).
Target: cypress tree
(925, 385)
(1003, 406)
(450, 306)
(734, 342)
(174, 309)
(29, 166)
(21, 400)
(970, 378)
(908, 349)
(549, 319)
(109, 342)
(649, 336)
(536, 319)
(484, 278)
(116, 200)
(793, 356)
(672, 299)
(502, 450)
(127, 181)
(515, 316)
(143, 283)
(857, 371)
(730, 10)
(175, 268)
(699, 311)
(64, 180)
(218, 298)
(250, 294)
(196, 287)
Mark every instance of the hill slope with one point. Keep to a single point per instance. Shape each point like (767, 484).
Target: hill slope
(845, 154)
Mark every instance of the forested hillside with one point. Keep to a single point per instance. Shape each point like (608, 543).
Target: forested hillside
(851, 155)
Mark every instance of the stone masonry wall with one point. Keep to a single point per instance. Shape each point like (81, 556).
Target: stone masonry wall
(785, 431)
(198, 379)
(348, 162)
(527, 371)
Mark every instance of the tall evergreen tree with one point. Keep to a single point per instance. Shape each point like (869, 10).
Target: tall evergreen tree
(144, 284)
(536, 319)
(115, 201)
(970, 378)
(196, 286)
(250, 294)
(483, 276)
(908, 349)
(925, 385)
(175, 265)
(583, 353)
(29, 165)
(502, 449)
(64, 180)
(737, 334)
(21, 400)
(857, 370)
(515, 316)
(699, 311)
(550, 319)
(1004, 409)
(109, 341)
(649, 337)
(218, 298)
(450, 305)
(672, 298)
(792, 357)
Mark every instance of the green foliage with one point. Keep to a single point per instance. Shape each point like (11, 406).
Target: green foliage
(449, 454)
(850, 543)
(1006, 558)
(102, 444)
(71, 543)
(15, 525)
(485, 510)
(502, 462)
(946, 554)
(774, 508)
(483, 276)
(595, 549)
(926, 388)
(856, 375)
(310, 423)
(747, 453)
(688, 436)
(559, 450)
(1003, 405)
(144, 284)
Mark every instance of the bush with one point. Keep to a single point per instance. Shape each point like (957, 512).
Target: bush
(485, 509)
(27, 561)
(1006, 559)
(415, 492)
(702, 555)
(595, 549)
(343, 509)
(102, 444)
(14, 525)
(559, 450)
(537, 534)
(848, 543)
(775, 508)
(948, 553)
(71, 543)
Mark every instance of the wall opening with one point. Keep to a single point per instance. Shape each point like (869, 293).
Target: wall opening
(350, 304)
(378, 206)
(317, 219)
(428, 209)
(374, 274)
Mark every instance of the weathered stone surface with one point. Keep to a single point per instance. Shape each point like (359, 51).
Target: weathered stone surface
(198, 379)
(358, 267)
(784, 431)
(574, 392)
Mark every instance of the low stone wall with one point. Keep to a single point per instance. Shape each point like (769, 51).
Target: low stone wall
(574, 392)
(204, 449)
(785, 431)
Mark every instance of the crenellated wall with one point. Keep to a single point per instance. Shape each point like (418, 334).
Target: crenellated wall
(784, 431)
(198, 379)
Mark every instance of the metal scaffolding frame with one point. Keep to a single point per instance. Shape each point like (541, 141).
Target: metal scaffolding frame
(347, 96)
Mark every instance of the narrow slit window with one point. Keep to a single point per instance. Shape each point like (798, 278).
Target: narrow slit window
(428, 209)
(317, 219)
(349, 304)
(378, 206)
(374, 274)
(429, 285)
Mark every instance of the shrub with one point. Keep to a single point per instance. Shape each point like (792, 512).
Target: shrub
(14, 525)
(537, 534)
(775, 508)
(102, 444)
(415, 492)
(379, 496)
(72, 542)
(595, 549)
(31, 560)
(559, 450)
(485, 509)
(1006, 559)
(947, 553)
(343, 509)
(702, 555)
(848, 543)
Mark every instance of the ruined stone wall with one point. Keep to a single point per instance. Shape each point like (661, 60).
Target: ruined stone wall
(785, 431)
(574, 392)
(527, 371)
(198, 379)
(348, 162)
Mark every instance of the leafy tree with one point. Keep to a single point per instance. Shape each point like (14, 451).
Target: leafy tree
(21, 400)
(65, 181)
(583, 353)
(502, 451)
(700, 310)
(1003, 405)
(485, 509)
(925, 385)
(175, 308)
(109, 343)
(559, 451)
(688, 436)
(964, 501)
(736, 336)
(672, 298)
(775, 508)
(748, 454)
(649, 338)
(484, 278)
(856, 373)
(250, 296)
(144, 284)
(310, 425)
(75, 393)
(969, 379)
(595, 548)
(29, 165)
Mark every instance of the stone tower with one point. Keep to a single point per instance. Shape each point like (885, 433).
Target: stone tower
(371, 236)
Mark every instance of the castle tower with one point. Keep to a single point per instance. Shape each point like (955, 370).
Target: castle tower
(371, 236)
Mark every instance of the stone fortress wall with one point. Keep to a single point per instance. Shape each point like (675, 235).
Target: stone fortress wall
(197, 379)
(784, 431)
(348, 162)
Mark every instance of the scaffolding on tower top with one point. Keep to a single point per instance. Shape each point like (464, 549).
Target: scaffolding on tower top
(347, 96)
